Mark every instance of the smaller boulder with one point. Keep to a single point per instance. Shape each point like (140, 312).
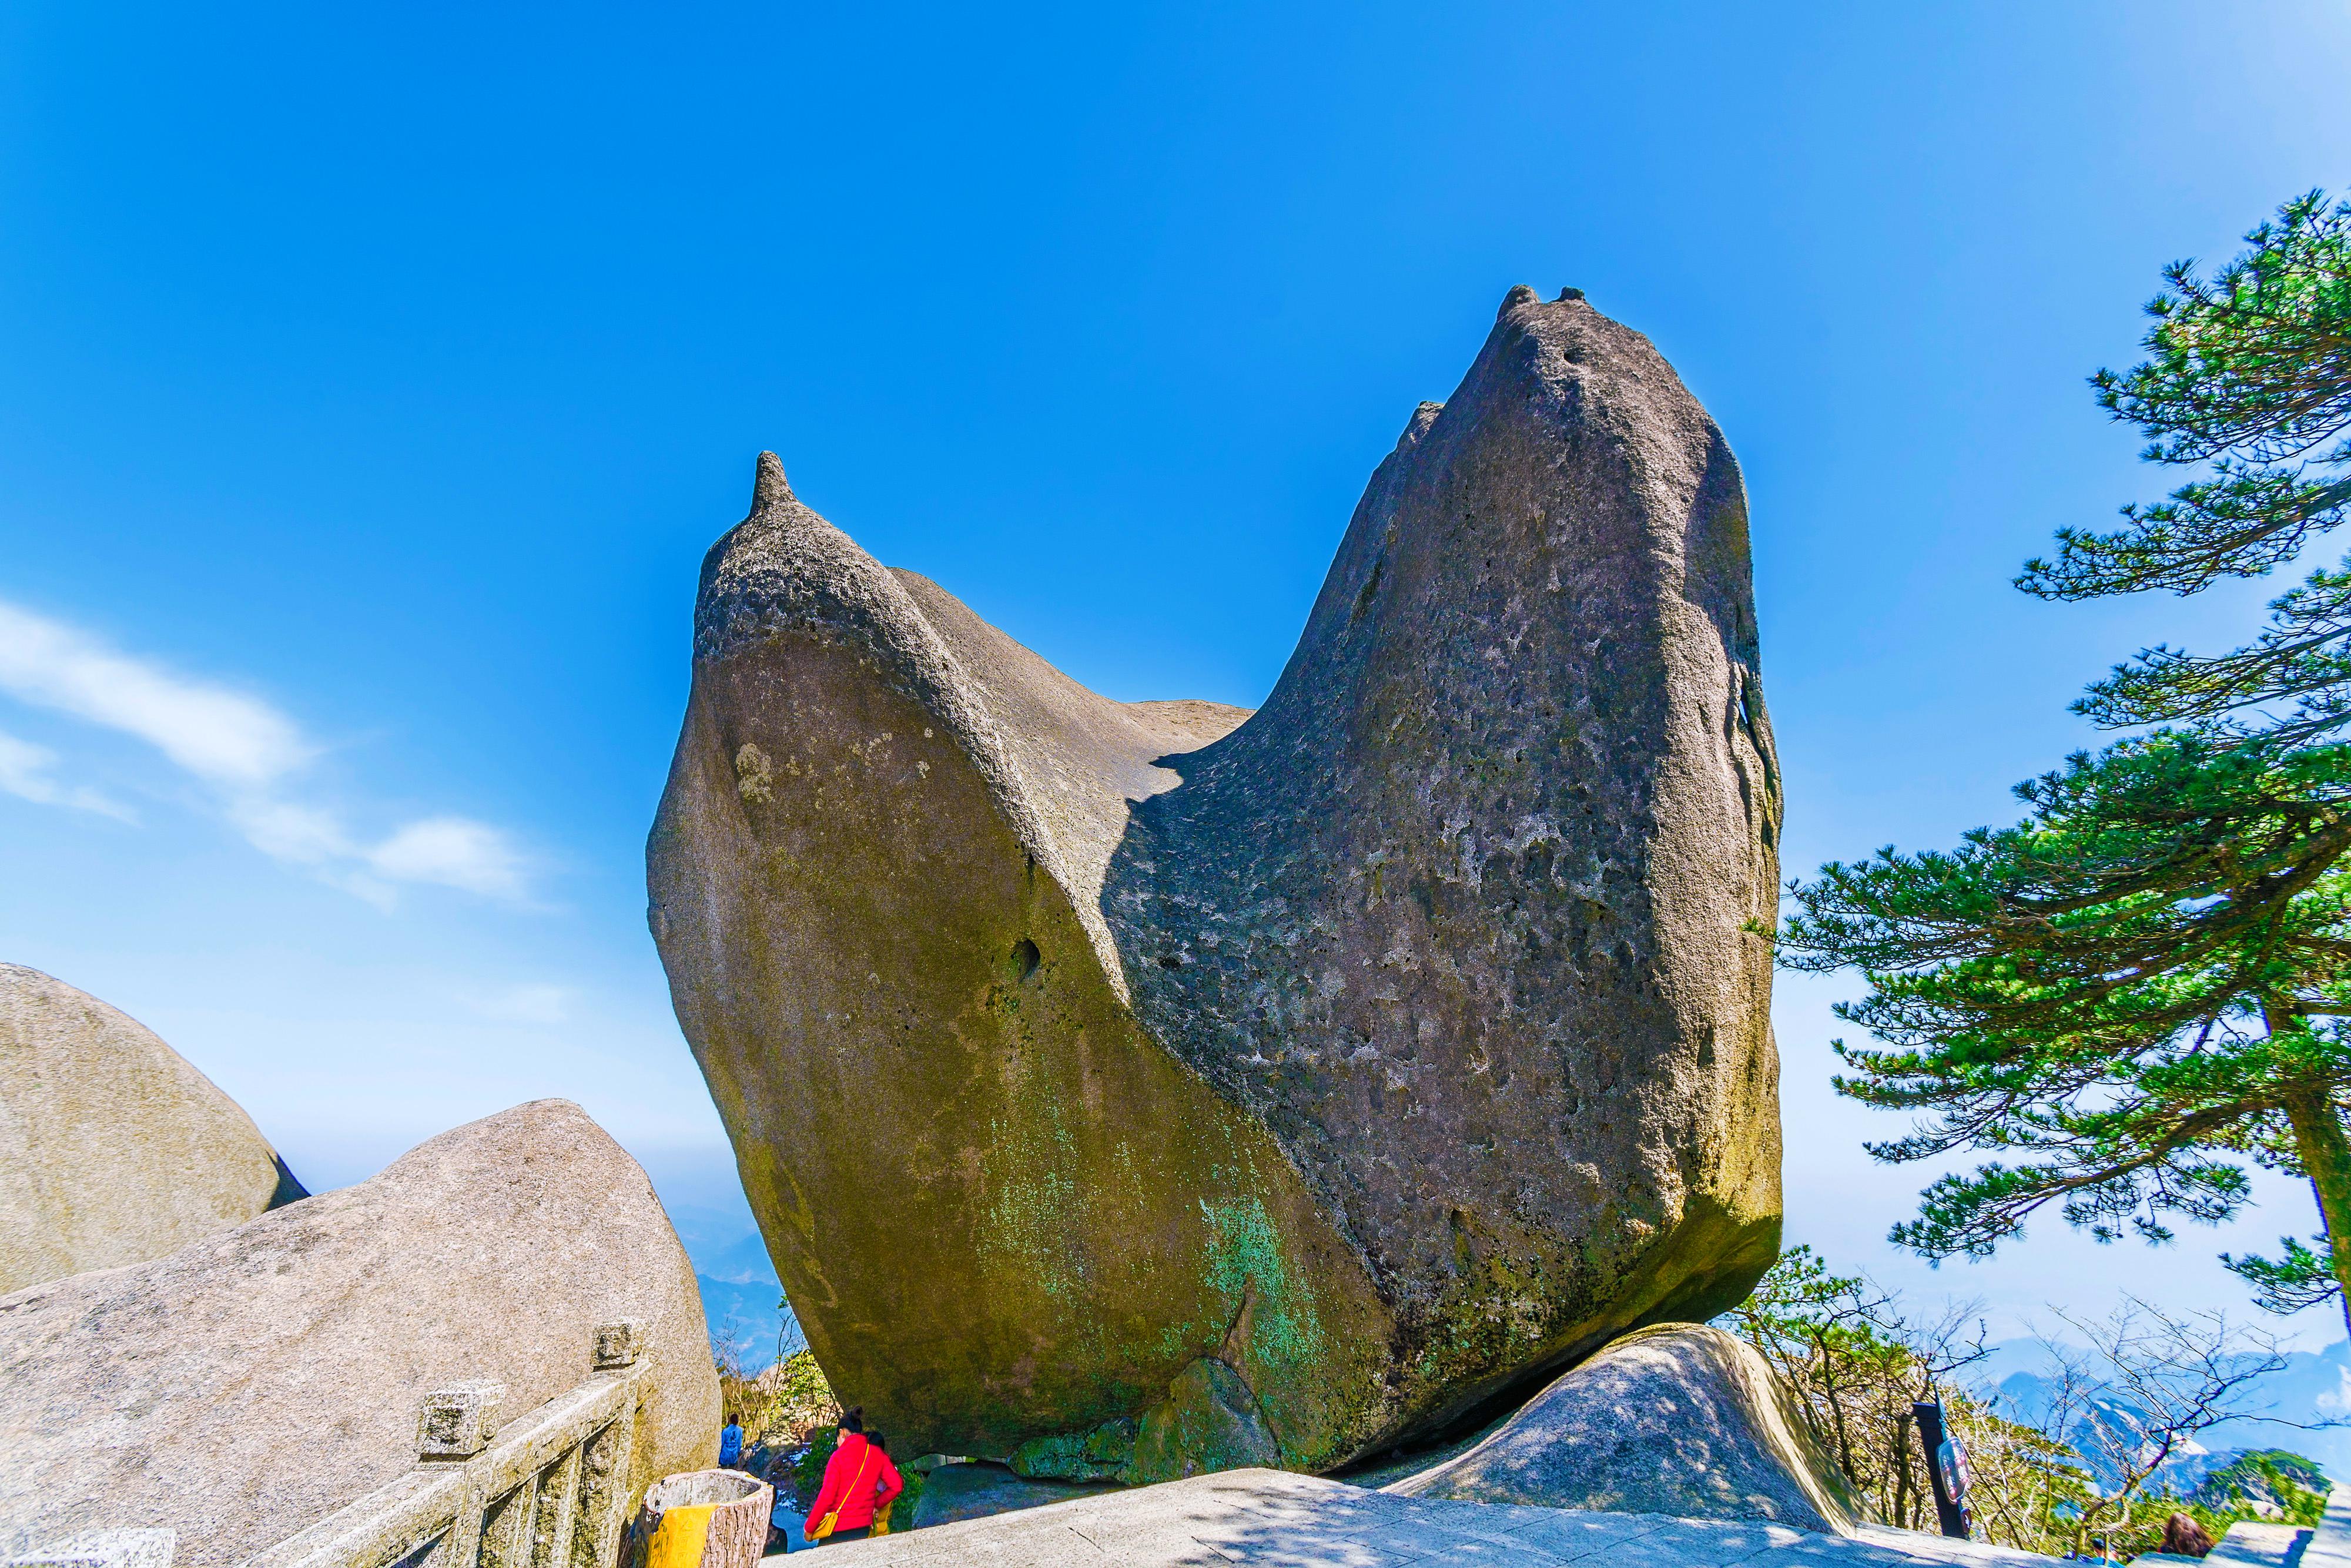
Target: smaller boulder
(113, 1149)
(253, 1382)
(1680, 1419)
(1209, 1421)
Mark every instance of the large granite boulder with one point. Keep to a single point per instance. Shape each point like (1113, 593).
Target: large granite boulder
(1390, 1050)
(255, 1381)
(1678, 1419)
(113, 1149)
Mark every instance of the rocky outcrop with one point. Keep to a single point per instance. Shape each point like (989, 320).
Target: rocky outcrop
(1388, 1050)
(255, 1381)
(113, 1149)
(1677, 1419)
(1209, 1422)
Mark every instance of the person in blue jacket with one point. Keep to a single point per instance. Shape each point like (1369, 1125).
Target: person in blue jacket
(730, 1444)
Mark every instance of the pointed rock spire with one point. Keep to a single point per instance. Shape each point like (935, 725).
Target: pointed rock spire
(770, 488)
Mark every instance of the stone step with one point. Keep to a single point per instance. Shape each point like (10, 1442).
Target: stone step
(2249, 1544)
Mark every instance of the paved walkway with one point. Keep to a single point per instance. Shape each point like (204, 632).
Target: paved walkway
(1287, 1520)
(2250, 1545)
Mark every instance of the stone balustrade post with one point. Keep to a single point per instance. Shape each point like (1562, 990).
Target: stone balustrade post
(618, 1345)
(459, 1421)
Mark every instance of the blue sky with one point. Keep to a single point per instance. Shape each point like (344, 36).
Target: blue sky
(374, 379)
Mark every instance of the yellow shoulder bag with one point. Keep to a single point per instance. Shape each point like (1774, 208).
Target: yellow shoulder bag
(825, 1526)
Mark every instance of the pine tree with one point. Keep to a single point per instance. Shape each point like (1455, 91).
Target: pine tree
(2148, 982)
(2247, 371)
(2141, 985)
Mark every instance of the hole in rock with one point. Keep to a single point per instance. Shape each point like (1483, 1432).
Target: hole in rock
(1025, 958)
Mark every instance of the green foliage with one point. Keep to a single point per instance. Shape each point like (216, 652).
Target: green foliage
(2031, 1491)
(902, 1508)
(2301, 663)
(779, 1403)
(2143, 978)
(799, 1398)
(809, 1474)
(2254, 1484)
(2268, 1487)
(1857, 1361)
(2303, 1276)
(2247, 371)
(1857, 1364)
(2144, 984)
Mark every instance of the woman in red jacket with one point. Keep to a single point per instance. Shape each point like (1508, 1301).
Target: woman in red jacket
(859, 1480)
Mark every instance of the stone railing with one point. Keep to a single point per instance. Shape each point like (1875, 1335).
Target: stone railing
(550, 1491)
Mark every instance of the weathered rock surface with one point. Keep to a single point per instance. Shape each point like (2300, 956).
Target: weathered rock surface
(113, 1149)
(1104, 1454)
(1209, 1422)
(255, 1381)
(1392, 1049)
(1677, 1419)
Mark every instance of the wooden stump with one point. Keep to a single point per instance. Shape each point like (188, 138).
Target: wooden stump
(702, 1518)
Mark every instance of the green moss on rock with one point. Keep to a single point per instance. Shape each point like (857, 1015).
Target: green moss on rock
(1209, 1421)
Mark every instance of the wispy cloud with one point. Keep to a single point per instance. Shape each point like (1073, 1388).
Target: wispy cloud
(25, 771)
(220, 735)
(454, 852)
(249, 754)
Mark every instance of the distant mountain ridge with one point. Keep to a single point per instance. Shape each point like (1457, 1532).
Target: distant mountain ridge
(740, 1292)
(2295, 1405)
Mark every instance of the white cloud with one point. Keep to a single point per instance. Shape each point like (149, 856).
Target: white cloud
(454, 852)
(25, 770)
(250, 755)
(289, 830)
(220, 735)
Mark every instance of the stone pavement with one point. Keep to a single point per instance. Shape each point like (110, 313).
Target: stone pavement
(2250, 1545)
(1287, 1520)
